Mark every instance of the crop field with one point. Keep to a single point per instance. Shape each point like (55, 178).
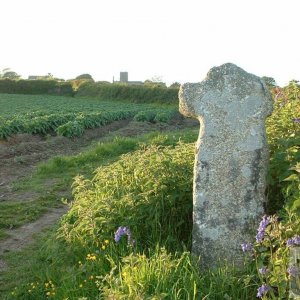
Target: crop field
(68, 116)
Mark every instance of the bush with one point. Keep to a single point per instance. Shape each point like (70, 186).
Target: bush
(132, 93)
(150, 191)
(36, 87)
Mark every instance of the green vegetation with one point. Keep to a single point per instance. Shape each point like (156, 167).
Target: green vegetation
(131, 93)
(61, 170)
(139, 192)
(18, 213)
(127, 234)
(283, 130)
(68, 116)
(155, 206)
(34, 87)
(84, 86)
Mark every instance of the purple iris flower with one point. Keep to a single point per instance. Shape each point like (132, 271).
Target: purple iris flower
(293, 271)
(262, 290)
(246, 247)
(122, 230)
(262, 227)
(293, 241)
(260, 236)
(296, 239)
(263, 270)
(264, 223)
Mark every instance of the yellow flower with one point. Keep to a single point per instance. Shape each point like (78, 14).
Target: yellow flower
(48, 294)
(80, 285)
(46, 284)
(103, 247)
(106, 242)
(91, 277)
(91, 257)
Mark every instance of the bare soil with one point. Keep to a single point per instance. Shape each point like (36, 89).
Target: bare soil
(20, 155)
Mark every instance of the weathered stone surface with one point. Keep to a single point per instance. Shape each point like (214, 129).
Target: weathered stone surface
(231, 160)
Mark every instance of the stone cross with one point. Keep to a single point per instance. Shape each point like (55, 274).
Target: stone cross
(231, 160)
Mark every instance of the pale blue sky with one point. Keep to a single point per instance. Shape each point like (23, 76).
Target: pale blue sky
(177, 40)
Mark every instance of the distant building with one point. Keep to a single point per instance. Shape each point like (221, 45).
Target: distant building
(124, 79)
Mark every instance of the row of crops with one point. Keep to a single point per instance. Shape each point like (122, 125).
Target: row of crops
(70, 116)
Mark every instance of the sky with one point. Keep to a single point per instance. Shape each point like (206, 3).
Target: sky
(175, 40)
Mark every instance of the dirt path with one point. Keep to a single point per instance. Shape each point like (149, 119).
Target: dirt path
(20, 155)
(22, 236)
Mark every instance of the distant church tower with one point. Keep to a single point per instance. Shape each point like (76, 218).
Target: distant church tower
(124, 77)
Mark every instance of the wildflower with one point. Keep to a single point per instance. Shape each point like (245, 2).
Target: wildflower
(48, 293)
(293, 271)
(106, 242)
(260, 236)
(262, 228)
(122, 230)
(296, 120)
(262, 290)
(293, 241)
(246, 247)
(80, 285)
(264, 223)
(263, 270)
(103, 247)
(91, 257)
(296, 239)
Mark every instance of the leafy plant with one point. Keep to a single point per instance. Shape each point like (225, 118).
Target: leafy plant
(271, 255)
(283, 130)
(149, 191)
(68, 116)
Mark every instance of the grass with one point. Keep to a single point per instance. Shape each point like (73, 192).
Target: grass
(53, 178)
(15, 214)
(60, 172)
